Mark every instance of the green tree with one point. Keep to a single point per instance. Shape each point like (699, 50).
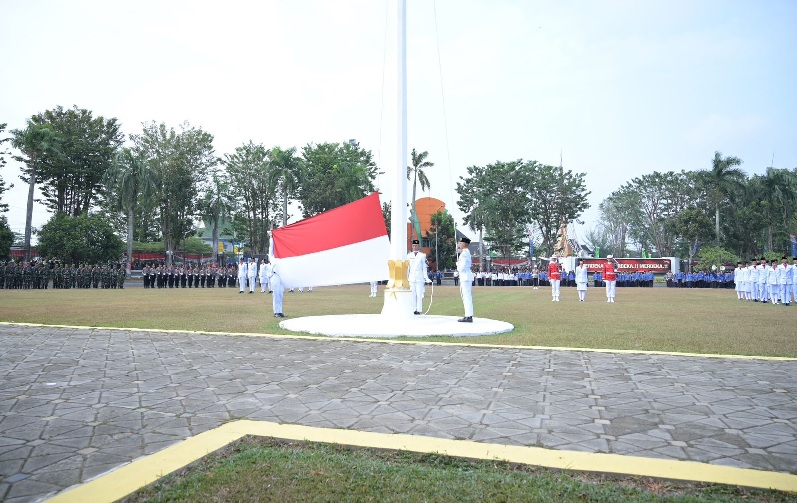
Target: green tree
(181, 162)
(417, 173)
(334, 174)
(215, 206)
(721, 181)
(86, 238)
(253, 188)
(496, 198)
(3, 188)
(38, 143)
(442, 238)
(71, 177)
(285, 173)
(690, 226)
(557, 196)
(712, 258)
(6, 238)
(778, 197)
(127, 182)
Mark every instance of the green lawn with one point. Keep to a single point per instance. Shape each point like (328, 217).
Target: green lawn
(262, 469)
(655, 319)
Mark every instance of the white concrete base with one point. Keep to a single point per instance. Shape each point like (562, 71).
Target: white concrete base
(377, 325)
(399, 304)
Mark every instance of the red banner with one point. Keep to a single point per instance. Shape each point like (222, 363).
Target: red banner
(655, 265)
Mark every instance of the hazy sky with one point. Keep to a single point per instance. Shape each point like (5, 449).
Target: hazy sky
(619, 88)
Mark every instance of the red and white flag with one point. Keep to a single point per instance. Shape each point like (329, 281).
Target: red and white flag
(338, 247)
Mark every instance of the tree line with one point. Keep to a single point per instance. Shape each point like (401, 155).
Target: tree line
(156, 184)
(677, 213)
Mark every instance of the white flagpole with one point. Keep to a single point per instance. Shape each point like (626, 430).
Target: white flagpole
(398, 218)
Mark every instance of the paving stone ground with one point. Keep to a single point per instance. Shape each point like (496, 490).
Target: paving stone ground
(77, 402)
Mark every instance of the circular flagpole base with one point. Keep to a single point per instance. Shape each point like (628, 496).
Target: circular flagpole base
(380, 326)
(398, 304)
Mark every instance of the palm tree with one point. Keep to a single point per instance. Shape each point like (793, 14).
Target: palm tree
(285, 173)
(216, 206)
(128, 180)
(722, 180)
(780, 193)
(417, 174)
(37, 142)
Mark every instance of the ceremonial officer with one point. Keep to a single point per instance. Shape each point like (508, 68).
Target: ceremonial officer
(241, 276)
(582, 278)
(555, 277)
(275, 283)
(465, 279)
(263, 273)
(251, 272)
(610, 278)
(417, 275)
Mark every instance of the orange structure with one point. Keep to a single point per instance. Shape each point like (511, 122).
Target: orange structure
(426, 207)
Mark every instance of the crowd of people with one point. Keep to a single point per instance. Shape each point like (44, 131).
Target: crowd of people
(188, 276)
(774, 282)
(700, 279)
(40, 275)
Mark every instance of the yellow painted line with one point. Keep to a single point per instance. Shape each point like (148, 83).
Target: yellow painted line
(127, 479)
(428, 343)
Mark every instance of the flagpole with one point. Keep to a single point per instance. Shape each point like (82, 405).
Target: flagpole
(398, 296)
(398, 214)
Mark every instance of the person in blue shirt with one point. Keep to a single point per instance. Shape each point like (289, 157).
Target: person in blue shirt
(598, 279)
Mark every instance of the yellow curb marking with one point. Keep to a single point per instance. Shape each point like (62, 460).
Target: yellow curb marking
(128, 478)
(428, 343)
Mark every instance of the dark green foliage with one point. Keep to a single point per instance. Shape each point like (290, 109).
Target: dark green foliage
(82, 239)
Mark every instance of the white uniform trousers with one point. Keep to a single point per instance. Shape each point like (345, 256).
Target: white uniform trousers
(466, 292)
(555, 288)
(611, 288)
(279, 291)
(418, 288)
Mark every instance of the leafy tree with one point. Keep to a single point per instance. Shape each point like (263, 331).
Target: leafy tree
(690, 226)
(6, 238)
(71, 175)
(713, 257)
(216, 205)
(253, 188)
(557, 196)
(417, 173)
(442, 236)
(285, 173)
(3, 188)
(600, 239)
(778, 197)
(127, 182)
(721, 180)
(180, 161)
(386, 214)
(334, 174)
(38, 144)
(86, 238)
(496, 198)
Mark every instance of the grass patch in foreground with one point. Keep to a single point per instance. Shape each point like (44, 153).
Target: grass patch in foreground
(264, 469)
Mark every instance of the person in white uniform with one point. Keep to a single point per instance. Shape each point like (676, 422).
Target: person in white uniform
(464, 263)
(262, 272)
(772, 282)
(582, 278)
(417, 275)
(276, 287)
(251, 272)
(373, 288)
(241, 276)
(783, 273)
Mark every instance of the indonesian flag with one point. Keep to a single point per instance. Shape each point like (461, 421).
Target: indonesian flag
(342, 246)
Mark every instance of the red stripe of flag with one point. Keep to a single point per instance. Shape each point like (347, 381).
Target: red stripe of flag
(349, 224)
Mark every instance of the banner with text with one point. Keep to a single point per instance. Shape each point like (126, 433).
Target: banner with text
(654, 265)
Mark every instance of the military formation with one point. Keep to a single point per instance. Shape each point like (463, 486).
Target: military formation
(40, 275)
(187, 276)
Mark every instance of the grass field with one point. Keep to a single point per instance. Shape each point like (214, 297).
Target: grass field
(655, 319)
(651, 319)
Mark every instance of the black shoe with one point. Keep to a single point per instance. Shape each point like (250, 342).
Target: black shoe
(416, 312)
(466, 319)
(281, 315)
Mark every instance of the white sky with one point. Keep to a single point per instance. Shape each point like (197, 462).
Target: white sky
(620, 88)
